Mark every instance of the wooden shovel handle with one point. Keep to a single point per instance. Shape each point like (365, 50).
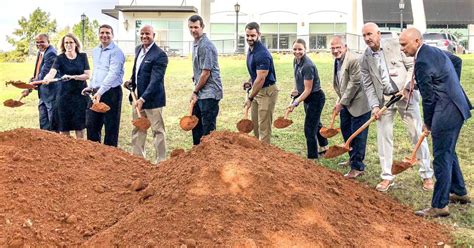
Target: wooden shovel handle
(423, 135)
(362, 128)
(334, 114)
(191, 107)
(21, 97)
(134, 98)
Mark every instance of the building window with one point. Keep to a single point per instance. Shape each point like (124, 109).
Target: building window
(278, 36)
(320, 34)
(169, 34)
(223, 36)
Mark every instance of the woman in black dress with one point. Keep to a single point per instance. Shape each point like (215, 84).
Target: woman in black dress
(71, 104)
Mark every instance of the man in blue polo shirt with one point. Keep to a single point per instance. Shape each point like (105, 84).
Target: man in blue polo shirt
(106, 80)
(263, 97)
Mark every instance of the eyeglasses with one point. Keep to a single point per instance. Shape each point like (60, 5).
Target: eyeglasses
(69, 42)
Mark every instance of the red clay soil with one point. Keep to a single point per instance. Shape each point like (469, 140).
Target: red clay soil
(231, 191)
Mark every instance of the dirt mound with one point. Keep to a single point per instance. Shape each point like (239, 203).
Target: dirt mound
(58, 191)
(234, 191)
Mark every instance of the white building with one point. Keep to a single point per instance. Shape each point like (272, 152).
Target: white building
(281, 22)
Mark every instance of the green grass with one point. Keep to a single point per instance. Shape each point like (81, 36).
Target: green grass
(233, 71)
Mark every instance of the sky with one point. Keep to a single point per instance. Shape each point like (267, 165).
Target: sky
(66, 13)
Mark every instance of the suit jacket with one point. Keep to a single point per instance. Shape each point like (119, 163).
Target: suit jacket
(400, 68)
(150, 79)
(349, 90)
(439, 85)
(457, 63)
(46, 93)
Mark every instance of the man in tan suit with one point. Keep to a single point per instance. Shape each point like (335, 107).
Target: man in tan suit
(351, 103)
(386, 70)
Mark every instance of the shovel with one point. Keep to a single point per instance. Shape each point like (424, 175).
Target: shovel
(245, 125)
(20, 84)
(142, 123)
(338, 150)
(331, 131)
(98, 107)
(408, 162)
(190, 121)
(13, 103)
(283, 122)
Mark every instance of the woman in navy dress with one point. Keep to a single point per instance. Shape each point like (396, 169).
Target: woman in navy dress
(71, 104)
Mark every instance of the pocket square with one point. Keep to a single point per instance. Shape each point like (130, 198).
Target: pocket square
(147, 61)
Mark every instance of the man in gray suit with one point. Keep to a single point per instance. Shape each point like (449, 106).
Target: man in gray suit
(385, 71)
(351, 104)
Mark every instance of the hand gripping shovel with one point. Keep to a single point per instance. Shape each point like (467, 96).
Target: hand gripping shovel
(142, 123)
(338, 150)
(13, 103)
(245, 125)
(283, 122)
(408, 162)
(98, 107)
(331, 131)
(190, 121)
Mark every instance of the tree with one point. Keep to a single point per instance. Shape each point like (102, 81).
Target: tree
(91, 30)
(38, 22)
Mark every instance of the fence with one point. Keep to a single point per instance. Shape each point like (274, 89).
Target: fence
(315, 43)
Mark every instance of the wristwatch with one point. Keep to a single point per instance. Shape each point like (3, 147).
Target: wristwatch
(250, 98)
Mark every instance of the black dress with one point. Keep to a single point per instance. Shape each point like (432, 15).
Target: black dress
(71, 104)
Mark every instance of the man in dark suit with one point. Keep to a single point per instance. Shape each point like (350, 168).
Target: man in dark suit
(148, 83)
(445, 108)
(46, 93)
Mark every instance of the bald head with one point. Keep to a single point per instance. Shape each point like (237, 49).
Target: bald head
(147, 35)
(410, 40)
(371, 34)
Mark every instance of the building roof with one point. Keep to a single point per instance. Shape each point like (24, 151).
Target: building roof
(147, 8)
(438, 12)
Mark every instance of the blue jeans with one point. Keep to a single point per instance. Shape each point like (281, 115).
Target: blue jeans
(110, 120)
(349, 124)
(206, 111)
(313, 106)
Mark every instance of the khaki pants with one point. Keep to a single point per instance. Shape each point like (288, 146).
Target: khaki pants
(158, 130)
(263, 106)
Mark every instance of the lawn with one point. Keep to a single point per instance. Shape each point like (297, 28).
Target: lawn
(233, 71)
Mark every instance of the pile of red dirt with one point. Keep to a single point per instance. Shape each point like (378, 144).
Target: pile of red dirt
(231, 190)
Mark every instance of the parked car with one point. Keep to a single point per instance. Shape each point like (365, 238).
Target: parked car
(444, 41)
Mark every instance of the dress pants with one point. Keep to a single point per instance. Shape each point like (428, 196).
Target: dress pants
(46, 114)
(206, 110)
(262, 110)
(349, 124)
(445, 132)
(412, 119)
(155, 116)
(313, 106)
(110, 119)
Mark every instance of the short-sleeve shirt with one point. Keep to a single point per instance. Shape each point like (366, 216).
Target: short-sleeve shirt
(259, 58)
(205, 58)
(306, 70)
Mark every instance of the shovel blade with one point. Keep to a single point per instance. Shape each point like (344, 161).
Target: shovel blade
(281, 122)
(245, 126)
(329, 132)
(100, 107)
(188, 122)
(12, 103)
(142, 123)
(401, 166)
(335, 151)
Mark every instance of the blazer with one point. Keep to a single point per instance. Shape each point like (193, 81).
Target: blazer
(46, 93)
(400, 68)
(150, 77)
(438, 81)
(349, 91)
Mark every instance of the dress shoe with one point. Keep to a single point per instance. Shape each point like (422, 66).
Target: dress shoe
(322, 150)
(433, 212)
(353, 174)
(428, 184)
(345, 163)
(384, 185)
(453, 198)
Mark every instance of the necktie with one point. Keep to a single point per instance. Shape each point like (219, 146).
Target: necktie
(38, 65)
